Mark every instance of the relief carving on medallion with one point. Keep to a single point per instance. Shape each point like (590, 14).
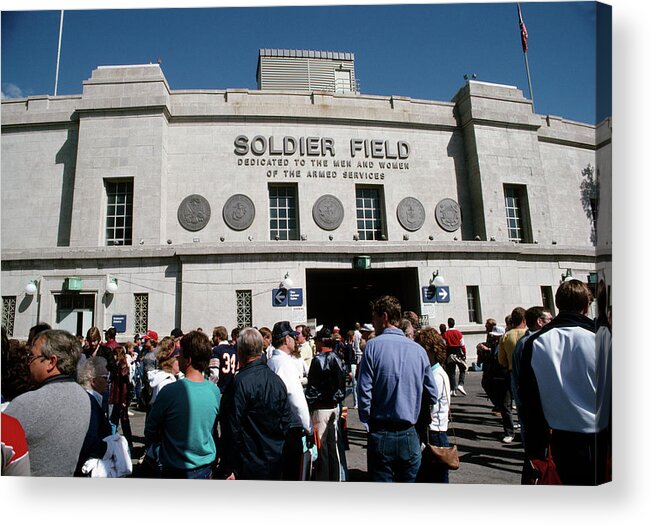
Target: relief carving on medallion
(239, 212)
(448, 215)
(328, 212)
(411, 214)
(194, 213)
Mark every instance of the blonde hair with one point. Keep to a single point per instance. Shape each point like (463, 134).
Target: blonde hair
(164, 353)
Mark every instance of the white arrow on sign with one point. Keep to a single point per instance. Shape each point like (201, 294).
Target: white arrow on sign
(280, 296)
(443, 294)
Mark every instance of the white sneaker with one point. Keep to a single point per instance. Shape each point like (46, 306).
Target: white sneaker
(462, 390)
(507, 439)
(130, 414)
(453, 393)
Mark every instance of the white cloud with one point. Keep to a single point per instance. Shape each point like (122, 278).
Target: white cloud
(11, 91)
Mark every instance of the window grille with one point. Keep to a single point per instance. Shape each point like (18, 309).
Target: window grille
(9, 314)
(141, 313)
(244, 308)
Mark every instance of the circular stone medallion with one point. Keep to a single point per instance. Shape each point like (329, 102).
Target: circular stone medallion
(194, 213)
(328, 212)
(239, 212)
(448, 215)
(411, 214)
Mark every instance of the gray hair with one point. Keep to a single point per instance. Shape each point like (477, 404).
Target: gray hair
(91, 368)
(65, 346)
(249, 343)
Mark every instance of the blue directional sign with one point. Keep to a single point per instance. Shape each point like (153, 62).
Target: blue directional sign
(279, 297)
(295, 297)
(429, 294)
(442, 294)
(434, 294)
(119, 322)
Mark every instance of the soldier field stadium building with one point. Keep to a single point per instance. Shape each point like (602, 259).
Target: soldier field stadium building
(137, 206)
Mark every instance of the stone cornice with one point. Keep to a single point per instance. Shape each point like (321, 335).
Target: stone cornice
(293, 249)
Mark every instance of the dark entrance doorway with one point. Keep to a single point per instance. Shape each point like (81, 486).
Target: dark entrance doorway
(342, 297)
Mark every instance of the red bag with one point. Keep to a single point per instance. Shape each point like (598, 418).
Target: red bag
(541, 471)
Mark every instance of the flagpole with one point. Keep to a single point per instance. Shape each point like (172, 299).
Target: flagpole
(524, 36)
(526, 63)
(56, 78)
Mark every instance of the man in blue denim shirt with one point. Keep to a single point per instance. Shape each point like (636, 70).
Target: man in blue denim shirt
(394, 370)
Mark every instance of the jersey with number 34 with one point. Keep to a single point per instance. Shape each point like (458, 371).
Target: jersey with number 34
(226, 356)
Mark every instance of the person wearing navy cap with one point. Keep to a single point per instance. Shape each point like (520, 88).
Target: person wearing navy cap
(326, 389)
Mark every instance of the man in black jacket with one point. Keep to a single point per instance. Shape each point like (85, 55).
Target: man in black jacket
(326, 389)
(255, 416)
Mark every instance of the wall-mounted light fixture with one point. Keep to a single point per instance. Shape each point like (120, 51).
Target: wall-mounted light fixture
(567, 276)
(111, 284)
(32, 287)
(287, 282)
(436, 280)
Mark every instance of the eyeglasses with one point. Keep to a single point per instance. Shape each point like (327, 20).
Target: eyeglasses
(31, 357)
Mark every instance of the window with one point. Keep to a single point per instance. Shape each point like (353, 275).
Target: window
(75, 312)
(244, 310)
(474, 310)
(370, 221)
(283, 224)
(342, 81)
(9, 314)
(517, 213)
(547, 298)
(141, 312)
(119, 213)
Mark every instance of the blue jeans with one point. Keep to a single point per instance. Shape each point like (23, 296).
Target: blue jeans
(438, 473)
(204, 472)
(393, 456)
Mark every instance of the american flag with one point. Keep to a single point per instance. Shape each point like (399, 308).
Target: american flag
(523, 31)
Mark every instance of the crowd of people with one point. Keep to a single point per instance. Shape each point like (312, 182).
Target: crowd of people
(268, 403)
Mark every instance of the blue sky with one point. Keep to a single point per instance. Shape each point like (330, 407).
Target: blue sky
(415, 50)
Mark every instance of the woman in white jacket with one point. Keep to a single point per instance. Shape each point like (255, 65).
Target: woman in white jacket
(167, 370)
(439, 411)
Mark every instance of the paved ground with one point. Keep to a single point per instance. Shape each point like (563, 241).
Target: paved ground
(484, 458)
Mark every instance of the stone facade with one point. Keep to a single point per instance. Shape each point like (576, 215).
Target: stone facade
(58, 152)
